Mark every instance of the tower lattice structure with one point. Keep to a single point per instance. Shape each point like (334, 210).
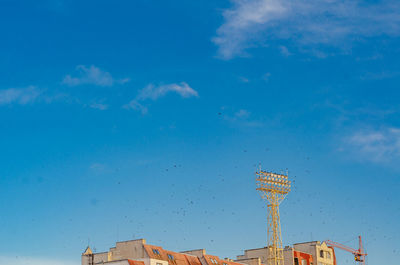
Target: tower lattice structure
(273, 188)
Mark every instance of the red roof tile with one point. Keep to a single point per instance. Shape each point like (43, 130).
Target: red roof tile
(135, 262)
(173, 258)
(210, 259)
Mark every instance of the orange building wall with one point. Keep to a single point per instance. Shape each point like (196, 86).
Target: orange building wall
(334, 256)
(301, 255)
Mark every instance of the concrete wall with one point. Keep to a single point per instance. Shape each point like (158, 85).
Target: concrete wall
(197, 252)
(308, 247)
(97, 257)
(146, 261)
(118, 262)
(288, 257)
(250, 261)
(132, 249)
(262, 254)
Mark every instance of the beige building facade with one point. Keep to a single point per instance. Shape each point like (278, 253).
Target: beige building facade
(250, 256)
(321, 253)
(137, 252)
(259, 256)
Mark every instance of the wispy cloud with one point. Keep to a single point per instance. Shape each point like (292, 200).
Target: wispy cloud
(153, 92)
(135, 105)
(381, 145)
(284, 51)
(99, 106)
(266, 76)
(242, 114)
(240, 118)
(21, 96)
(33, 261)
(92, 75)
(307, 23)
(99, 168)
(244, 79)
(380, 75)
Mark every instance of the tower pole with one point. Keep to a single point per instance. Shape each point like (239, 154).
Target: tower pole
(273, 188)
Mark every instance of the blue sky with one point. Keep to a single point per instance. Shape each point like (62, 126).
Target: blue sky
(131, 119)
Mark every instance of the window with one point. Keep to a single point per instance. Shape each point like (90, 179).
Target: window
(214, 261)
(296, 261)
(158, 263)
(328, 255)
(321, 253)
(170, 257)
(155, 251)
(303, 262)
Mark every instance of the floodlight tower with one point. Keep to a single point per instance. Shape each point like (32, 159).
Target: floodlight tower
(273, 188)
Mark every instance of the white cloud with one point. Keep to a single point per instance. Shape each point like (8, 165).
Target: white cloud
(92, 75)
(153, 92)
(375, 145)
(99, 106)
(241, 118)
(244, 79)
(135, 105)
(20, 96)
(33, 261)
(308, 23)
(242, 114)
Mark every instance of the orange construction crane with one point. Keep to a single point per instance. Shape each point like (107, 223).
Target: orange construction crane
(359, 254)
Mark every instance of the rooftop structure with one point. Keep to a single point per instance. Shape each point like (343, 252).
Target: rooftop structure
(258, 256)
(137, 252)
